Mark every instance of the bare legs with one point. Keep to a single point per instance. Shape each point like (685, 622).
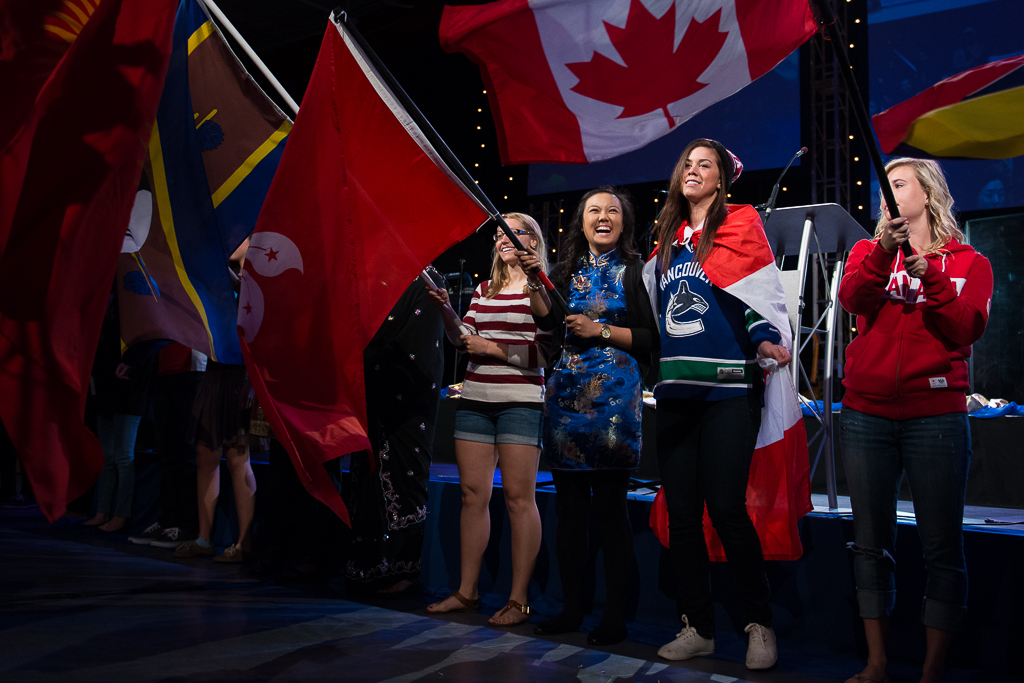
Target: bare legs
(875, 631)
(518, 465)
(934, 661)
(208, 487)
(935, 656)
(519, 481)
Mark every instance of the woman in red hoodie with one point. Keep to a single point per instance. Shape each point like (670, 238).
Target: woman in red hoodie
(905, 409)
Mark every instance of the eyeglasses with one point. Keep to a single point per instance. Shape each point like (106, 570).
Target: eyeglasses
(501, 233)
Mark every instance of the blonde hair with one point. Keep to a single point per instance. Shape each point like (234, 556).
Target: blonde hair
(940, 204)
(500, 273)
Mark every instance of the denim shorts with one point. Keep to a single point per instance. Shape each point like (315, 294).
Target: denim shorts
(513, 424)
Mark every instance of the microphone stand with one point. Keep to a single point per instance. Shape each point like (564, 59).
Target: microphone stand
(769, 205)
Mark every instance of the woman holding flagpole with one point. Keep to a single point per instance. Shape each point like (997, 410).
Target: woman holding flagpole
(905, 409)
(499, 419)
(594, 402)
(714, 284)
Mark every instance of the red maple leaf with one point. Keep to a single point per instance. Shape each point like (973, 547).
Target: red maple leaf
(655, 75)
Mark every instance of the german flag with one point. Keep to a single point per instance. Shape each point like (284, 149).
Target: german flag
(976, 114)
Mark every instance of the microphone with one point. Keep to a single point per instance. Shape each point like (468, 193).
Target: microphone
(769, 205)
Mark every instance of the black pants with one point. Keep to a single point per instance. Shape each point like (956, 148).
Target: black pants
(704, 453)
(8, 468)
(297, 529)
(173, 396)
(574, 489)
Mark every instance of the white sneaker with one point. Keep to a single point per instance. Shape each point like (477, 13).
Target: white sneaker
(689, 643)
(761, 651)
(168, 538)
(147, 537)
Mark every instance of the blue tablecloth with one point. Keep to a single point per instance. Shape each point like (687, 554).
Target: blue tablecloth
(986, 412)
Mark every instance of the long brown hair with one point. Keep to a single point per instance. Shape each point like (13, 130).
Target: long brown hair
(500, 272)
(677, 208)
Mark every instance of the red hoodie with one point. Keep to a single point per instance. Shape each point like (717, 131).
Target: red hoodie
(910, 359)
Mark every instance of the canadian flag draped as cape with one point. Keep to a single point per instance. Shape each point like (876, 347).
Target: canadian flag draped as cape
(361, 202)
(779, 488)
(577, 81)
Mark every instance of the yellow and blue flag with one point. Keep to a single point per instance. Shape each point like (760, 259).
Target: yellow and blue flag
(212, 155)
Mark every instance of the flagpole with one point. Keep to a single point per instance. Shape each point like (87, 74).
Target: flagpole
(830, 25)
(211, 6)
(338, 16)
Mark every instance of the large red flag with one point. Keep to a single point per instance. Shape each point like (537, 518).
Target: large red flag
(69, 168)
(576, 81)
(360, 204)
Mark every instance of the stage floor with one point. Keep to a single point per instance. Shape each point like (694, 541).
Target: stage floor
(79, 606)
(75, 606)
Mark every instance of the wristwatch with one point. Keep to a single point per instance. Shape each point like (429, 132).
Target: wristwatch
(606, 332)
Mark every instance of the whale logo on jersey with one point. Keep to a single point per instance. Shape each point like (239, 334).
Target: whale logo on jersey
(680, 303)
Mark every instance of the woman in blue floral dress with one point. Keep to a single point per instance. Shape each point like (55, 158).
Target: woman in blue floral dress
(594, 400)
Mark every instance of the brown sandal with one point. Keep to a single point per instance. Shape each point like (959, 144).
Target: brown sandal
(861, 678)
(512, 604)
(467, 604)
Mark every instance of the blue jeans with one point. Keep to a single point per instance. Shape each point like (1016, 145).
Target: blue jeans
(512, 424)
(935, 453)
(117, 439)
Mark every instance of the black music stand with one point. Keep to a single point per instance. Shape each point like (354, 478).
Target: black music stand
(802, 231)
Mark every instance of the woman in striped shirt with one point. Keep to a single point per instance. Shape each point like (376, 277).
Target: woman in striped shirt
(499, 420)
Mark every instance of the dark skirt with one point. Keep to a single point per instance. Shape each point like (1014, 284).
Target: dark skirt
(220, 414)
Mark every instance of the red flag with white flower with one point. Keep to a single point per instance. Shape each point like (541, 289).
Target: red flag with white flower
(360, 204)
(577, 81)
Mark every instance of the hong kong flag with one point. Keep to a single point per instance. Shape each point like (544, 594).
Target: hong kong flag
(576, 81)
(360, 204)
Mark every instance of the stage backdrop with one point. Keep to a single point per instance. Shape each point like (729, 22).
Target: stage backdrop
(914, 45)
(997, 367)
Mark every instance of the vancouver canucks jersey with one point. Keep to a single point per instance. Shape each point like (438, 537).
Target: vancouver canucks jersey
(709, 338)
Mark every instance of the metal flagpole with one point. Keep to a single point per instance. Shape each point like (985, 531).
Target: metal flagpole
(211, 6)
(829, 23)
(338, 16)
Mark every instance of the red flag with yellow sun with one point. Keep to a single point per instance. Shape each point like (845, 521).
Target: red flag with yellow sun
(81, 81)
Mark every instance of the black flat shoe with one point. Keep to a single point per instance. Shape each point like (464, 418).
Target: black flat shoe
(607, 635)
(556, 626)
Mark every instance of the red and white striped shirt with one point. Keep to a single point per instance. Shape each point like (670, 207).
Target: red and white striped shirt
(506, 319)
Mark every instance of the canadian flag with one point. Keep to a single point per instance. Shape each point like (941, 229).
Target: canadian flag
(576, 81)
(779, 485)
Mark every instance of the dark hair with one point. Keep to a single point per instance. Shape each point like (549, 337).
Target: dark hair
(677, 208)
(575, 246)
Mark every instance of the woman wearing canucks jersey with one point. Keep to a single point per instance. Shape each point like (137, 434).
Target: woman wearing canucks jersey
(710, 390)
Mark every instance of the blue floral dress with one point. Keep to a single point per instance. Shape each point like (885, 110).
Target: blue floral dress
(594, 399)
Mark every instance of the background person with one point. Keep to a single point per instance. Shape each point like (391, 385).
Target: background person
(402, 364)
(220, 425)
(122, 397)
